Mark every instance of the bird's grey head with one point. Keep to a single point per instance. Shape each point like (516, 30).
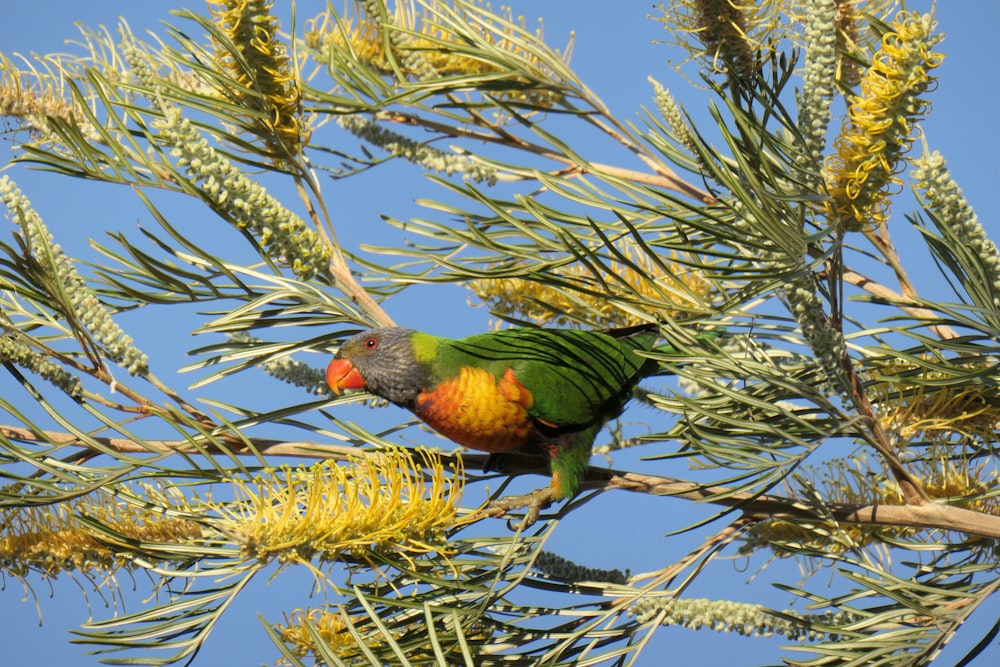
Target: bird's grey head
(383, 362)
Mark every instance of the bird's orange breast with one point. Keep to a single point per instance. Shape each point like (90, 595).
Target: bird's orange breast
(477, 410)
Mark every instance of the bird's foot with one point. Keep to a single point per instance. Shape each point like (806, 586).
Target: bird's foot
(534, 502)
(493, 462)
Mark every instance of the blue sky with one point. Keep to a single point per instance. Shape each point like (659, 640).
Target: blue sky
(614, 53)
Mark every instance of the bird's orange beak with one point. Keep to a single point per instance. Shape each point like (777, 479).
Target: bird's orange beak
(341, 374)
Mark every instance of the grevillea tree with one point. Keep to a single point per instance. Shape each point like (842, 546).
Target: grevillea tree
(843, 417)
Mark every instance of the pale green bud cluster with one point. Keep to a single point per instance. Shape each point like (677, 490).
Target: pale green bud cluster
(243, 201)
(750, 620)
(430, 158)
(945, 200)
(672, 113)
(297, 373)
(820, 75)
(826, 342)
(86, 307)
(286, 369)
(564, 569)
(139, 65)
(20, 354)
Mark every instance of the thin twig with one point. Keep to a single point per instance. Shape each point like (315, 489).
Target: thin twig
(664, 178)
(756, 507)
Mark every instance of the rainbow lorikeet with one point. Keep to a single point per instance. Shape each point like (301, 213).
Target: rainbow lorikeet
(550, 389)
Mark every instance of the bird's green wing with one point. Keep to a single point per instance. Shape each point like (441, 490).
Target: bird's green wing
(574, 377)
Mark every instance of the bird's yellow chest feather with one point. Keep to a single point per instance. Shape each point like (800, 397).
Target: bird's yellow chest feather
(477, 410)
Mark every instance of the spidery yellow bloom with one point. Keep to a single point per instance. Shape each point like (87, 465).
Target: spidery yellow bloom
(424, 45)
(329, 625)
(668, 285)
(726, 36)
(51, 538)
(36, 99)
(262, 65)
(854, 481)
(879, 127)
(851, 39)
(914, 402)
(377, 504)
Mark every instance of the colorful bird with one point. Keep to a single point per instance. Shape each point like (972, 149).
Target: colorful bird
(550, 389)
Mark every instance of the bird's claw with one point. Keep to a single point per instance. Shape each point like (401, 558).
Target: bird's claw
(533, 502)
(492, 462)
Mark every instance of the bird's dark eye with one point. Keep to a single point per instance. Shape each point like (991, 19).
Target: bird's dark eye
(371, 343)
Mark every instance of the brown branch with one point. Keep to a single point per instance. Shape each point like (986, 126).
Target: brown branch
(343, 278)
(880, 239)
(664, 178)
(913, 491)
(247, 446)
(755, 507)
(759, 507)
(874, 288)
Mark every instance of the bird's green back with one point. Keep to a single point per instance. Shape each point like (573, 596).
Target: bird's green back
(575, 377)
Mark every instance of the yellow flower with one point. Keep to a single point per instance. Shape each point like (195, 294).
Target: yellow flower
(851, 41)
(377, 504)
(52, 538)
(854, 481)
(725, 35)
(330, 627)
(879, 127)
(914, 402)
(665, 288)
(262, 65)
(426, 45)
(36, 99)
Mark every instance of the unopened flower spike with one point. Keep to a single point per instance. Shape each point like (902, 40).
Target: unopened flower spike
(283, 235)
(286, 369)
(418, 153)
(20, 354)
(819, 75)
(83, 303)
(828, 344)
(750, 620)
(947, 202)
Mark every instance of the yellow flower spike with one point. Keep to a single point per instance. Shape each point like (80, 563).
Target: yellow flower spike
(677, 292)
(264, 67)
(853, 481)
(726, 36)
(880, 124)
(381, 503)
(37, 99)
(329, 625)
(926, 406)
(51, 539)
(420, 47)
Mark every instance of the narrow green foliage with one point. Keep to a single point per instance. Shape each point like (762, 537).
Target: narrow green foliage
(810, 402)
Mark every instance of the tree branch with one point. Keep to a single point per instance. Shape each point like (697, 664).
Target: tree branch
(664, 178)
(760, 507)
(755, 507)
